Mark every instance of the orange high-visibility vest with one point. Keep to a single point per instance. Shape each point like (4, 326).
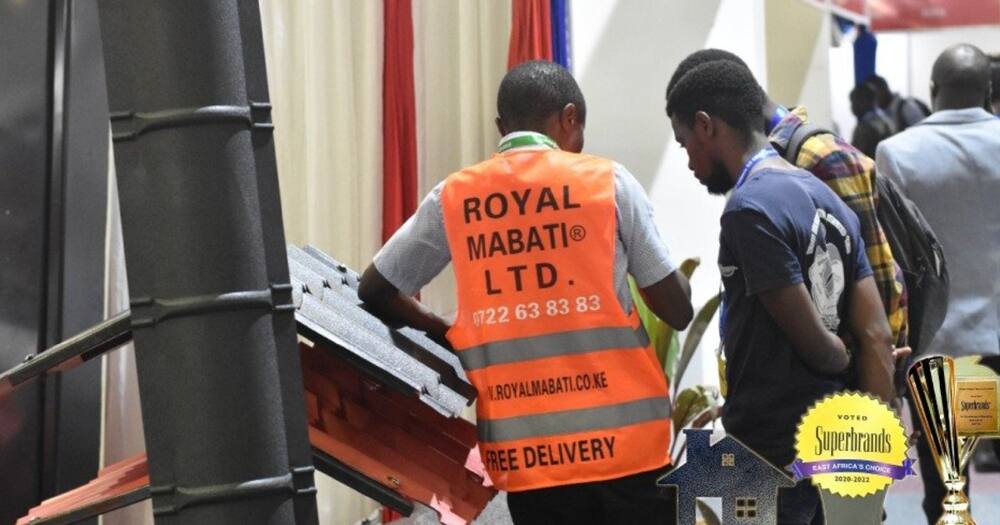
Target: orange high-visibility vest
(570, 390)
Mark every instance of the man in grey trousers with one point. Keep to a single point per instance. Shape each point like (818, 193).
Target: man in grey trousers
(949, 165)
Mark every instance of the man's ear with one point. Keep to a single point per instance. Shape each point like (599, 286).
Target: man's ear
(569, 116)
(499, 124)
(703, 124)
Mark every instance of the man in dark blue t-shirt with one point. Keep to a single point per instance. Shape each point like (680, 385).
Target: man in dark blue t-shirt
(782, 227)
(794, 269)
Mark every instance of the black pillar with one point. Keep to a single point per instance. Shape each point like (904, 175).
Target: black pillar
(213, 325)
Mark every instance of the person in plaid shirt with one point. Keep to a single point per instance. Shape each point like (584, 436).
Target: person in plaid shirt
(851, 175)
(847, 171)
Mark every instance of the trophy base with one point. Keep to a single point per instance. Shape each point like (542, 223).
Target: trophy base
(956, 505)
(847, 510)
(963, 518)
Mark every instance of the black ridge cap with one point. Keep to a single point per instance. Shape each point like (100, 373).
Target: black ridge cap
(369, 487)
(353, 277)
(330, 342)
(449, 377)
(107, 335)
(316, 265)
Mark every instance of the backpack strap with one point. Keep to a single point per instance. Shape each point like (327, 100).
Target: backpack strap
(897, 113)
(802, 133)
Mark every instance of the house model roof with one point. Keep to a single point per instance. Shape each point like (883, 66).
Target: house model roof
(704, 474)
(331, 309)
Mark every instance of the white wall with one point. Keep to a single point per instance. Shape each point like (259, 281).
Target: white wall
(624, 54)
(923, 47)
(815, 91)
(797, 61)
(905, 60)
(841, 82)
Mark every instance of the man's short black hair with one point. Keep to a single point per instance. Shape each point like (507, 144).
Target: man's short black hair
(878, 83)
(698, 58)
(723, 89)
(864, 94)
(533, 91)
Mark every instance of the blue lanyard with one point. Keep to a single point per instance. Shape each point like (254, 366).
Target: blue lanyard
(723, 314)
(748, 167)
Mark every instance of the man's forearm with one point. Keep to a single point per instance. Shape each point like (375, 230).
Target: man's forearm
(874, 361)
(385, 300)
(875, 366)
(670, 300)
(792, 309)
(829, 358)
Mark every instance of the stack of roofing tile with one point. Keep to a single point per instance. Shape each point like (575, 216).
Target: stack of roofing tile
(384, 435)
(116, 486)
(382, 405)
(396, 419)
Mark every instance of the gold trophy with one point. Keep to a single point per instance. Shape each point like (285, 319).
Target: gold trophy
(934, 390)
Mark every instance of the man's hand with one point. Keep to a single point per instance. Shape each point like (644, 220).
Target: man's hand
(793, 310)
(385, 301)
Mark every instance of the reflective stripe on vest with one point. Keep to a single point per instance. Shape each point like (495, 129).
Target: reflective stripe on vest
(570, 390)
(570, 421)
(552, 345)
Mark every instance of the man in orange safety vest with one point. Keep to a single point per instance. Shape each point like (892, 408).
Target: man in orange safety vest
(573, 411)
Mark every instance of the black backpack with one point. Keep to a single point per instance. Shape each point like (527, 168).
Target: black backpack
(898, 111)
(914, 247)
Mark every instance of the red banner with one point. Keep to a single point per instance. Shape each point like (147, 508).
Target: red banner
(854, 10)
(894, 15)
(530, 32)
(849, 8)
(399, 120)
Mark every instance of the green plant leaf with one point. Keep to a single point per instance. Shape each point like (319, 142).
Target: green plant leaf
(688, 266)
(673, 350)
(690, 403)
(694, 335)
(661, 335)
(720, 361)
(707, 514)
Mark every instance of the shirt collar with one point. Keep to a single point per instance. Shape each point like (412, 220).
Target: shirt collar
(958, 116)
(525, 141)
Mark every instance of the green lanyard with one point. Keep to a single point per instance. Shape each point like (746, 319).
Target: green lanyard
(532, 139)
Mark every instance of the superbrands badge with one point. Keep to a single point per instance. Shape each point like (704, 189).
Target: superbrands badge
(851, 445)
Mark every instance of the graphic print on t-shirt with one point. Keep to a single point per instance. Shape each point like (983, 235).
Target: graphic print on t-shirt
(728, 271)
(826, 270)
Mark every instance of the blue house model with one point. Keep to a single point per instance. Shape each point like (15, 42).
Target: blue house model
(747, 483)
